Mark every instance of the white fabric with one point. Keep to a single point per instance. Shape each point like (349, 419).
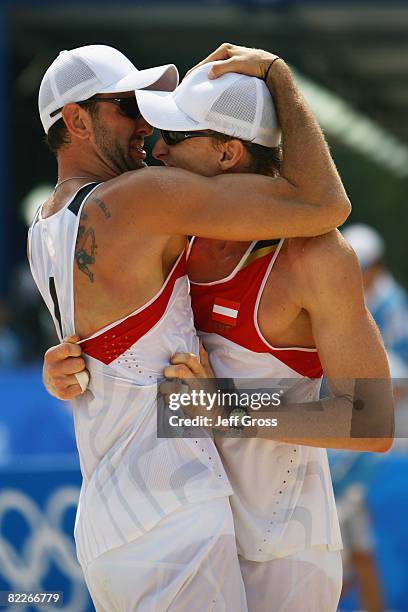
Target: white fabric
(83, 380)
(131, 479)
(234, 104)
(81, 73)
(188, 562)
(228, 312)
(283, 498)
(308, 581)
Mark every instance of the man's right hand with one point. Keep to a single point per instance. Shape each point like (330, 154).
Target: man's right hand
(233, 58)
(61, 363)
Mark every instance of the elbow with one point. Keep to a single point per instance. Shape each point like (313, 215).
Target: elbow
(338, 211)
(384, 446)
(342, 210)
(385, 442)
(332, 213)
(380, 445)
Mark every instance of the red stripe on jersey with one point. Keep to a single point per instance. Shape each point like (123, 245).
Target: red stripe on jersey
(243, 289)
(217, 316)
(109, 345)
(219, 301)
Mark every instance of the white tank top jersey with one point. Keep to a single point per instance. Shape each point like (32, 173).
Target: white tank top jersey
(131, 478)
(283, 498)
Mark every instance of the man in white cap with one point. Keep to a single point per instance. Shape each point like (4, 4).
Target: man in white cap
(154, 527)
(284, 310)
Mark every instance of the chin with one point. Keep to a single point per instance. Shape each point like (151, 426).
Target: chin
(138, 164)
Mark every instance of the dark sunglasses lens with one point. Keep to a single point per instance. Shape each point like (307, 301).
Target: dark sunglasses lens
(129, 107)
(172, 138)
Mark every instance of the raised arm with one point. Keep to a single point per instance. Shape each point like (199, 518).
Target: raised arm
(307, 164)
(307, 199)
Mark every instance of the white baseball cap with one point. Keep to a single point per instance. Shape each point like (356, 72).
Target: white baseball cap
(234, 104)
(367, 243)
(79, 74)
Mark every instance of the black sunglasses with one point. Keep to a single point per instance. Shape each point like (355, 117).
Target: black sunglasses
(127, 106)
(172, 137)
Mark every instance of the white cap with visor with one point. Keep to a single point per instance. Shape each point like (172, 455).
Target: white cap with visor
(79, 74)
(234, 104)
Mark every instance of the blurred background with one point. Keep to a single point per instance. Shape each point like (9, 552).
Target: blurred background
(351, 60)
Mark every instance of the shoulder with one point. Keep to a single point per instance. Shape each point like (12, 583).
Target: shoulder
(325, 265)
(324, 253)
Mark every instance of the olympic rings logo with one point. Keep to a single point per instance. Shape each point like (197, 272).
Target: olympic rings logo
(46, 544)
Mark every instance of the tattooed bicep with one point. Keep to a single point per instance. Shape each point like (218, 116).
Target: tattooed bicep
(86, 247)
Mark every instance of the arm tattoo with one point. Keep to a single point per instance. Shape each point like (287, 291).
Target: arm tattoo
(86, 248)
(102, 206)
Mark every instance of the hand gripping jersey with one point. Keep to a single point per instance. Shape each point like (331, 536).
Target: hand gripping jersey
(283, 498)
(131, 479)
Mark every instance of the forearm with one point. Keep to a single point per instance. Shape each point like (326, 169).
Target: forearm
(362, 420)
(307, 163)
(359, 421)
(373, 445)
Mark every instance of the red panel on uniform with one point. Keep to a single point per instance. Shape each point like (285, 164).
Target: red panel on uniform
(242, 290)
(109, 345)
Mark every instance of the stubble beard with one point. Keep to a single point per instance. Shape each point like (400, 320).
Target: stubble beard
(117, 157)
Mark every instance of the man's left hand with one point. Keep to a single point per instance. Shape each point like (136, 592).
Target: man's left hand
(187, 373)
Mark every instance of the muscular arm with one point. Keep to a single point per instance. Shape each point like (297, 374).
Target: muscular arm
(307, 165)
(346, 336)
(350, 350)
(235, 207)
(307, 199)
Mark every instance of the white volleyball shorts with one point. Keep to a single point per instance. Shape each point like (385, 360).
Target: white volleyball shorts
(308, 581)
(188, 562)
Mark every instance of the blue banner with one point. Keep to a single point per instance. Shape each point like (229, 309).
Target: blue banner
(37, 551)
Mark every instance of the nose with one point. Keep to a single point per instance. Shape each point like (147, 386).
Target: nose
(142, 127)
(160, 149)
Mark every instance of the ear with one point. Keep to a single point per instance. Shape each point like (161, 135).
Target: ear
(78, 121)
(232, 154)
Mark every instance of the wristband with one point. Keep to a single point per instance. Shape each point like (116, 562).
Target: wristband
(269, 67)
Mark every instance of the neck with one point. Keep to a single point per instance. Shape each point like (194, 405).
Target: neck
(70, 178)
(65, 178)
(81, 161)
(66, 169)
